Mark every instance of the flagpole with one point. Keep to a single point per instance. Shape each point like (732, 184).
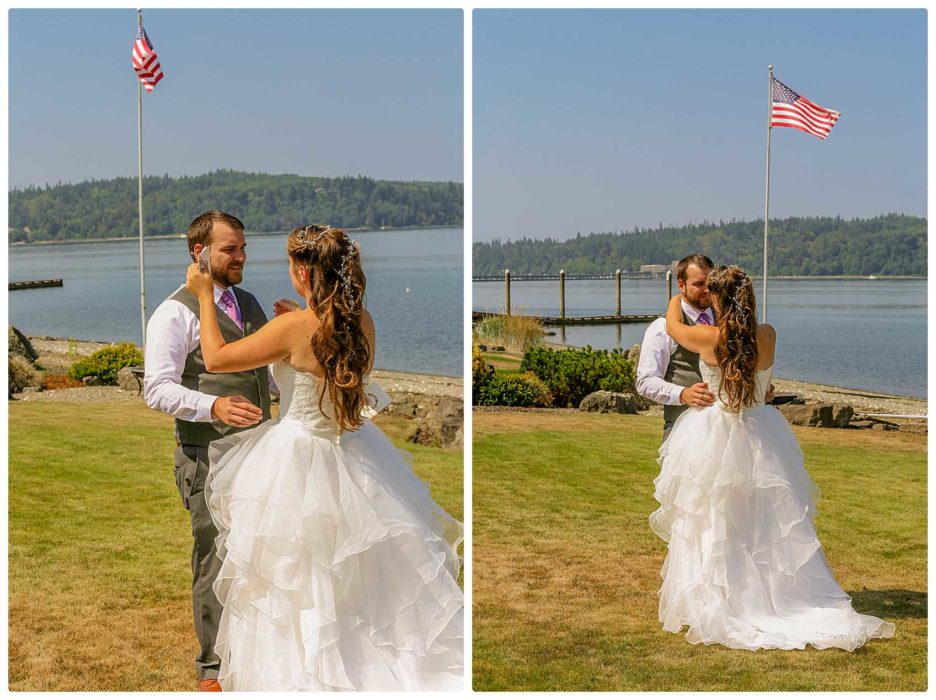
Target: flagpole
(767, 187)
(140, 187)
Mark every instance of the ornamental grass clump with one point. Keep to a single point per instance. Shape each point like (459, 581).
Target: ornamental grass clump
(22, 374)
(107, 362)
(516, 333)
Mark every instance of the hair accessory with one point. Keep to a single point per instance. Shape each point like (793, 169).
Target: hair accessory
(349, 294)
(736, 300)
(311, 235)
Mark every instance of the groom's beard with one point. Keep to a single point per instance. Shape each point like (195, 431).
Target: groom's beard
(229, 277)
(701, 301)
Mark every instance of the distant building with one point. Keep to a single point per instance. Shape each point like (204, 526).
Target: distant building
(654, 270)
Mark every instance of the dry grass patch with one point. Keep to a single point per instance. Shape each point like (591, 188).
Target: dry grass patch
(99, 558)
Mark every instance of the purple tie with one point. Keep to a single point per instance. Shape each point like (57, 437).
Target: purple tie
(703, 319)
(230, 308)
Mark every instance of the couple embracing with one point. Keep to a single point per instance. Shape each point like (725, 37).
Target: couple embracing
(320, 561)
(744, 566)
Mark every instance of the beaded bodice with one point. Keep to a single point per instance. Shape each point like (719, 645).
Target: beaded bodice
(712, 377)
(299, 400)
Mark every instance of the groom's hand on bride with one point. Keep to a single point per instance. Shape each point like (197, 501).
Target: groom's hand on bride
(697, 396)
(236, 411)
(284, 305)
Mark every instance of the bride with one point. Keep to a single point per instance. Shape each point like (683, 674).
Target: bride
(744, 566)
(339, 570)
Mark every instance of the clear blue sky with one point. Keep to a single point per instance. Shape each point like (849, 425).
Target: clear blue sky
(312, 92)
(590, 120)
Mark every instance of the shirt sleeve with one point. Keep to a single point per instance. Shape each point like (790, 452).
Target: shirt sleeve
(654, 358)
(171, 335)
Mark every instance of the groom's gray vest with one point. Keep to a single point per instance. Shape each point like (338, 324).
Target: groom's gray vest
(253, 384)
(682, 370)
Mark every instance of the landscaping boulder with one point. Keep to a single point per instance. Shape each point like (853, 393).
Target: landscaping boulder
(128, 380)
(19, 345)
(91, 380)
(441, 425)
(818, 415)
(403, 405)
(613, 402)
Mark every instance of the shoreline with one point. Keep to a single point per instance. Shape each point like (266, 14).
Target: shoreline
(167, 236)
(56, 355)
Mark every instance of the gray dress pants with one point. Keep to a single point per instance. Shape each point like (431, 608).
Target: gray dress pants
(191, 469)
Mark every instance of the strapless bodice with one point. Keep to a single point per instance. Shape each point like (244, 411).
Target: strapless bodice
(712, 377)
(299, 400)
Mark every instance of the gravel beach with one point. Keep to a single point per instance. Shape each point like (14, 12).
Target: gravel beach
(57, 355)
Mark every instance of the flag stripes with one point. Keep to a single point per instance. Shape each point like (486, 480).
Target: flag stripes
(145, 62)
(796, 112)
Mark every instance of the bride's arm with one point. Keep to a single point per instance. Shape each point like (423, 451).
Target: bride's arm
(259, 349)
(693, 338)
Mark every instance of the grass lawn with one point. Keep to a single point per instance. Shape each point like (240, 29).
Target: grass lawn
(100, 546)
(504, 362)
(566, 569)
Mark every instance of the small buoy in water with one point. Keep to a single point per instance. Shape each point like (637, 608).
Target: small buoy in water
(406, 290)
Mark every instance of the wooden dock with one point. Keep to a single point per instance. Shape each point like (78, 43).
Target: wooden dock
(569, 278)
(34, 284)
(610, 319)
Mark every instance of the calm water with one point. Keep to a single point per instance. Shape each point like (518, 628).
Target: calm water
(419, 330)
(861, 334)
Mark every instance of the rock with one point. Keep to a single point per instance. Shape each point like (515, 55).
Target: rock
(19, 345)
(818, 415)
(613, 402)
(842, 415)
(129, 381)
(441, 424)
(500, 348)
(633, 354)
(92, 381)
(482, 348)
(403, 406)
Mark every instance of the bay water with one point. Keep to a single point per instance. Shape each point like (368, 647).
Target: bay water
(414, 290)
(853, 333)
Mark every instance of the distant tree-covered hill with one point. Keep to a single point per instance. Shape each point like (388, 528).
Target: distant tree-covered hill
(108, 208)
(885, 245)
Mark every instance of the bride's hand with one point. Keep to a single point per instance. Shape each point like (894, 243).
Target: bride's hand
(199, 283)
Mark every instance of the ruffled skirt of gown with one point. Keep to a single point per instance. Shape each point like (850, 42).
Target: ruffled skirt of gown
(339, 570)
(745, 568)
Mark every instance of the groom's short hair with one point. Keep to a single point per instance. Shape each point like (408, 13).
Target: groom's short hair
(199, 231)
(697, 259)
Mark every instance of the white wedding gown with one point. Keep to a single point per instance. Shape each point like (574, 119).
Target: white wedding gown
(339, 570)
(745, 567)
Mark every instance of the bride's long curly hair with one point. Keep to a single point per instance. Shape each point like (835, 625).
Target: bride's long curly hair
(337, 283)
(736, 349)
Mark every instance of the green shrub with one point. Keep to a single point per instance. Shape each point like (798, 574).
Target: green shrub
(22, 374)
(481, 374)
(524, 389)
(574, 373)
(107, 362)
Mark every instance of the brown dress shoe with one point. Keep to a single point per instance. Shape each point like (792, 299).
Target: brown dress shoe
(209, 685)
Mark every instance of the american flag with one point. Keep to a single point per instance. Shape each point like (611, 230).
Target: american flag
(145, 62)
(796, 112)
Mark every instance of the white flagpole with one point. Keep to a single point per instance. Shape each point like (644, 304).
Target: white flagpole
(140, 189)
(767, 188)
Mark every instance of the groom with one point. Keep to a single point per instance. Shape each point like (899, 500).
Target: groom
(205, 406)
(667, 373)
